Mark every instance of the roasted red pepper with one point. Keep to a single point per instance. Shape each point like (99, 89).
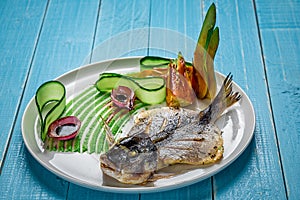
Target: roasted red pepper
(179, 84)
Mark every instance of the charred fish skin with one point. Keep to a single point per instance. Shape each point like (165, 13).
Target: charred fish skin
(160, 122)
(131, 160)
(168, 136)
(193, 144)
(163, 120)
(200, 142)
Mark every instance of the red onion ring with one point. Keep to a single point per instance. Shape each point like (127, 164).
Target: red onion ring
(123, 97)
(64, 128)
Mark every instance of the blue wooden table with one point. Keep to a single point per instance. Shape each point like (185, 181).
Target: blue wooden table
(259, 44)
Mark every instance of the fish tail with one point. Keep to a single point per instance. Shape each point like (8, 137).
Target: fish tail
(224, 99)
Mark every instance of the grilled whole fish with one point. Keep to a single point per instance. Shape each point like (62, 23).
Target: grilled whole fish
(165, 136)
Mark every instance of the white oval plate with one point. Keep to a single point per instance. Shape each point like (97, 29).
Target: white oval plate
(237, 124)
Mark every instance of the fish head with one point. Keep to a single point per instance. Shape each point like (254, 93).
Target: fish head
(131, 160)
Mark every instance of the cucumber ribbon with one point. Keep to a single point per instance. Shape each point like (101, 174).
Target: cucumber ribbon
(50, 100)
(150, 90)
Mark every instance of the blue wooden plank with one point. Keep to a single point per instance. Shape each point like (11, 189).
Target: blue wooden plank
(15, 16)
(120, 32)
(24, 178)
(78, 192)
(122, 29)
(66, 39)
(231, 57)
(257, 173)
(280, 41)
(198, 191)
(278, 14)
(283, 77)
(174, 27)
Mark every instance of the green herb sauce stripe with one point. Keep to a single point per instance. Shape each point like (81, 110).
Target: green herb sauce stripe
(94, 141)
(116, 123)
(125, 118)
(116, 126)
(88, 105)
(75, 145)
(93, 122)
(89, 115)
(101, 140)
(79, 99)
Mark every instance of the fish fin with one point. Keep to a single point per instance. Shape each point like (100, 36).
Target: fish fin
(109, 135)
(156, 176)
(224, 99)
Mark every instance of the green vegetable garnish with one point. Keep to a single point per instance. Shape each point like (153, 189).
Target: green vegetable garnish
(204, 54)
(150, 90)
(50, 99)
(150, 62)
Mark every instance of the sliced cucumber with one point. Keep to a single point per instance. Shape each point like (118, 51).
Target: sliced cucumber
(150, 62)
(150, 90)
(50, 99)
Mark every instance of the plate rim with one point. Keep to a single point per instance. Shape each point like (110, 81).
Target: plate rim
(104, 188)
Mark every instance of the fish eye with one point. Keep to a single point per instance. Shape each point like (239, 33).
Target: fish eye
(132, 153)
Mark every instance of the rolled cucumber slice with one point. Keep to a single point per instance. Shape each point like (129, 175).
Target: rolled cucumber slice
(50, 99)
(150, 90)
(150, 62)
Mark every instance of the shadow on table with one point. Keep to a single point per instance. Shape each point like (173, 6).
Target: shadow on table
(232, 177)
(45, 181)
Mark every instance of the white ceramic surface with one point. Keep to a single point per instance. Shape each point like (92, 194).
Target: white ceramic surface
(237, 123)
